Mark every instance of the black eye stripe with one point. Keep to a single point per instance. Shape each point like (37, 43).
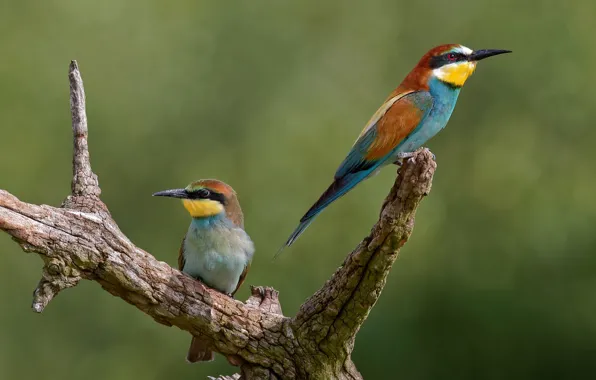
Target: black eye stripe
(447, 58)
(206, 194)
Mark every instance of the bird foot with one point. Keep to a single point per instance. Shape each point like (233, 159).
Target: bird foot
(402, 155)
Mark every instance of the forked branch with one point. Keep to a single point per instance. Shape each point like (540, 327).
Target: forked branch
(80, 240)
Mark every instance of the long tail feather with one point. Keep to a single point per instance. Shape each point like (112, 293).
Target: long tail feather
(297, 232)
(338, 188)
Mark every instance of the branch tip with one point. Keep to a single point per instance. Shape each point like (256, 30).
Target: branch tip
(56, 276)
(42, 295)
(47, 290)
(84, 181)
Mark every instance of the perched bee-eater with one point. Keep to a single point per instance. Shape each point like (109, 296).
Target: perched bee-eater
(414, 112)
(216, 250)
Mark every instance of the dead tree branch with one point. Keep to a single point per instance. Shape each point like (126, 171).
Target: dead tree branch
(80, 240)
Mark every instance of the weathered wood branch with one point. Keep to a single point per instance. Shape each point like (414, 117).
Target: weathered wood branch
(80, 240)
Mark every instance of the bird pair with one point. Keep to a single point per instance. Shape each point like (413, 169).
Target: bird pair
(216, 249)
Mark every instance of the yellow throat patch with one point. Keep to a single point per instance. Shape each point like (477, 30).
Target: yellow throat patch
(455, 74)
(201, 208)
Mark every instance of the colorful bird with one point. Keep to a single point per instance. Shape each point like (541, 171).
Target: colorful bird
(414, 112)
(216, 250)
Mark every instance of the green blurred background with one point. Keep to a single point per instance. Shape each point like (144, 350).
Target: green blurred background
(499, 277)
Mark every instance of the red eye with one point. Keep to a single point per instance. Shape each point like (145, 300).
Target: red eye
(451, 56)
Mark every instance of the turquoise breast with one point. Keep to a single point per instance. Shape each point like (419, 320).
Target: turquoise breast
(444, 99)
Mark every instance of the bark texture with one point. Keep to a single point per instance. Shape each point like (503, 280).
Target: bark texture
(80, 240)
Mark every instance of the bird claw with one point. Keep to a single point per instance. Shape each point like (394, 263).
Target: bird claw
(402, 155)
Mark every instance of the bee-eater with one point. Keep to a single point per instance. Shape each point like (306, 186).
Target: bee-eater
(412, 114)
(215, 250)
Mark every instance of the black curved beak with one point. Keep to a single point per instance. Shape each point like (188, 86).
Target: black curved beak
(174, 193)
(481, 54)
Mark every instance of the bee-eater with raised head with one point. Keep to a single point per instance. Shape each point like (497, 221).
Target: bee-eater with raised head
(216, 250)
(414, 112)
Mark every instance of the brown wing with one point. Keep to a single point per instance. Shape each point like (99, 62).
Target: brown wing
(241, 279)
(181, 255)
(400, 120)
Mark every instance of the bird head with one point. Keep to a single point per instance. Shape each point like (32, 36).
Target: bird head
(207, 197)
(452, 64)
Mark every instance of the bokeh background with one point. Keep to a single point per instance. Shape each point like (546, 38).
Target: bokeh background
(499, 277)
